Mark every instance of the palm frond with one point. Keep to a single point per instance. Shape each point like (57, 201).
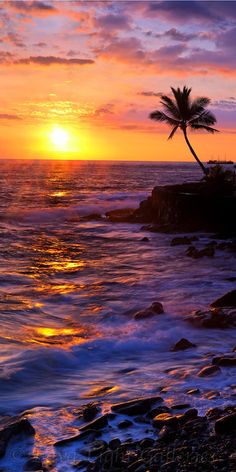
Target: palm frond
(170, 107)
(162, 117)
(205, 118)
(173, 132)
(204, 127)
(183, 101)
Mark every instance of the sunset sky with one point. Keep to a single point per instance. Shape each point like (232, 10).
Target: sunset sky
(79, 78)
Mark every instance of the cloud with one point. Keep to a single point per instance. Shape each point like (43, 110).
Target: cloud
(35, 6)
(113, 22)
(52, 60)
(225, 104)
(150, 94)
(123, 50)
(9, 116)
(177, 35)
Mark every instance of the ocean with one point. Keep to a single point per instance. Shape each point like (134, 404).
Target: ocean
(69, 287)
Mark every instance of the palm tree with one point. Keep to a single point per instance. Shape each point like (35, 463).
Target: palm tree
(182, 112)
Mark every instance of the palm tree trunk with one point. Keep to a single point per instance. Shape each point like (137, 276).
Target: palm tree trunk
(204, 169)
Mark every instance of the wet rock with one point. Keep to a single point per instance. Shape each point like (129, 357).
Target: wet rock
(167, 434)
(90, 411)
(228, 300)
(190, 414)
(114, 443)
(169, 466)
(91, 430)
(214, 413)
(208, 251)
(13, 426)
(145, 239)
(212, 395)
(225, 361)
(180, 406)
(99, 423)
(157, 411)
(136, 407)
(225, 425)
(182, 240)
(147, 442)
(215, 318)
(182, 344)
(35, 463)
(193, 391)
(125, 424)
(121, 215)
(209, 370)
(155, 309)
(94, 449)
(195, 426)
(165, 419)
(137, 466)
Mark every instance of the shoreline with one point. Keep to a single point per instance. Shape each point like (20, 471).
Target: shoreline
(142, 434)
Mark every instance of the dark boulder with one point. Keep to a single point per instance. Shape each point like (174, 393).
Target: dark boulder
(216, 318)
(34, 464)
(182, 240)
(155, 309)
(183, 344)
(226, 425)
(228, 300)
(139, 406)
(121, 215)
(90, 411)
(224, 361)
(13, 426)
(208, 370)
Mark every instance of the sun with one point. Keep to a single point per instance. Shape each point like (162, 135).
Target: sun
(59, 138)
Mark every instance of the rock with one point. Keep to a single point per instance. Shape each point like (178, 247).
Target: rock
(169, 466)
(35, 463)
(13, 426)
(137, 466)
(219, 318)
(145, 239)
(208, 251)
(180, 406)
(157, 411)
(224, 361)
(94, 449)
(228, 300)
(155, 309)
(226, 425)
(147, 442)
(188, 207)
(193, 391)
(121, 215)
(167, 434)
(165, 419)
(209, 370)
(214, 413)
(183, 240)
(99, 423)
(114, 443)
(125, 424)
(182, 344)
(90, 411)
(136, 407)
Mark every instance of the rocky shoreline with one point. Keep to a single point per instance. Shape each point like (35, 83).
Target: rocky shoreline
(174, 436)
(187, 207)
